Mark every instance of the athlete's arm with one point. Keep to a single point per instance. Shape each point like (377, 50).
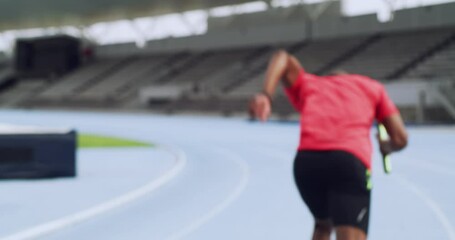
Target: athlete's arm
(398, 137)
(282, 67)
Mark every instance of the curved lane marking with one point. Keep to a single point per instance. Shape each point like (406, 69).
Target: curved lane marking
(434, 207)
(197, 223)
(76, 218)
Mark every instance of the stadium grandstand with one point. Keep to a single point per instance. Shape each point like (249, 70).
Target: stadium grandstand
(131, 120)
(210, 57)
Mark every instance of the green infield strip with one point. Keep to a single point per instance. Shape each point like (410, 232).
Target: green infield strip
(97, 141)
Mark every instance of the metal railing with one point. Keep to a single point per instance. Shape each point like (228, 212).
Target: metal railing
(444, 92)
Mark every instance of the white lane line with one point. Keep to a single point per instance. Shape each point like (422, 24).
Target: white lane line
(59, 224)
(197, 223)
(435, 208)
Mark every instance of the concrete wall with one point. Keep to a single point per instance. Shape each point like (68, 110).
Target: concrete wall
(226, 39)
(406, 93)
(290, 25)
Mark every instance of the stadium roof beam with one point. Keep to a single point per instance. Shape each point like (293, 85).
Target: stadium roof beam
(141, 36)
(188, 24)
(20, 14)
(314, 11)
(391, 5)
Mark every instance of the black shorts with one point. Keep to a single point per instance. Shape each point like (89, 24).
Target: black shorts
(335, 185)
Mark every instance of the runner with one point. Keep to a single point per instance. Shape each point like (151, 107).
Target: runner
(333, 162)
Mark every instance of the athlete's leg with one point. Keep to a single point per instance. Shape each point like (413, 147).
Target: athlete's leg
(349, 198)
(311, 182)
(322, 229)
(350, 233)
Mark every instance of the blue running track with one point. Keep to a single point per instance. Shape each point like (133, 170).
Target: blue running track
(214, 178)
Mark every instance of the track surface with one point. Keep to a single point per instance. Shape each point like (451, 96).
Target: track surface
(236, 184)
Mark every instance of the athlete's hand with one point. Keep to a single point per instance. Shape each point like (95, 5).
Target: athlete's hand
(385, 146)
(260, 107)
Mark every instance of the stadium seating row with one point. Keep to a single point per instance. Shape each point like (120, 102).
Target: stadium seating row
(213, 78)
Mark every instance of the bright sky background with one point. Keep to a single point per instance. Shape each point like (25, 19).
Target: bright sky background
(195, 22)
(357, 7)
